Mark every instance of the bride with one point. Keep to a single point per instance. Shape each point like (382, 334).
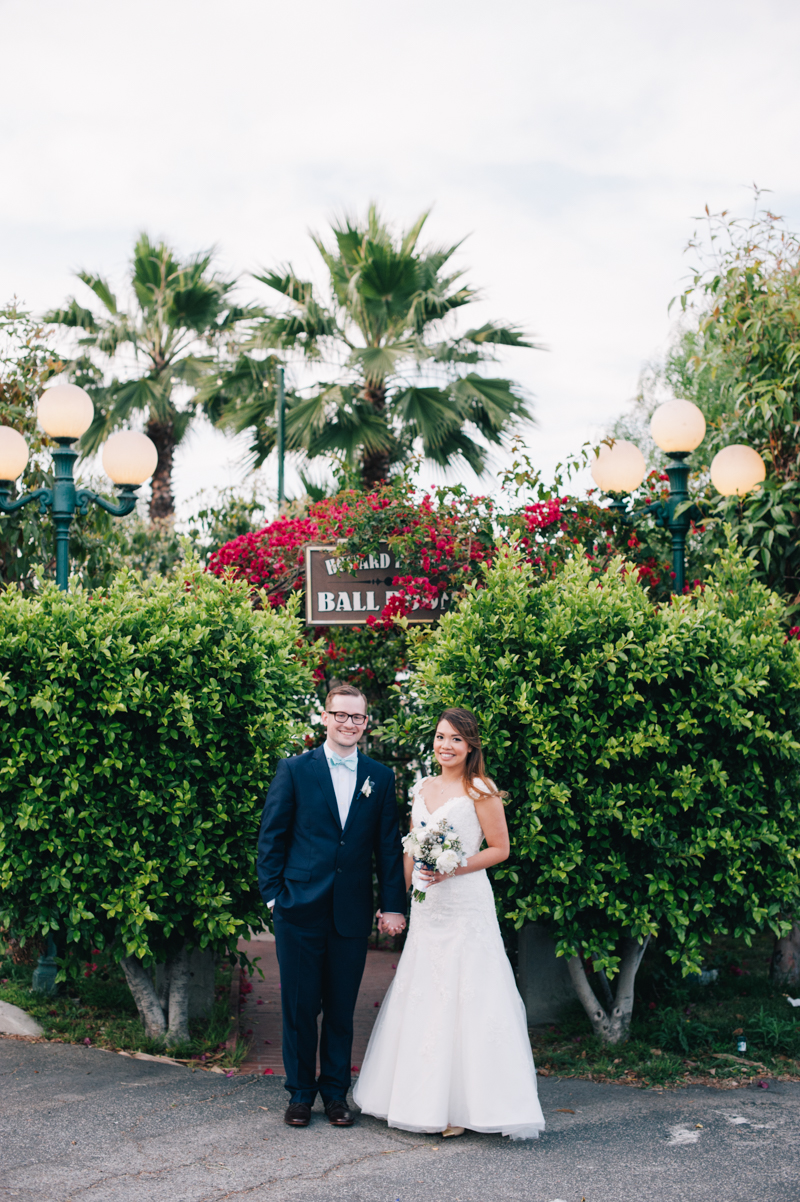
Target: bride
(450, 1049)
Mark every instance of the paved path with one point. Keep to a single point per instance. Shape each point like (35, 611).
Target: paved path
(261, 1011)
(81, 1125)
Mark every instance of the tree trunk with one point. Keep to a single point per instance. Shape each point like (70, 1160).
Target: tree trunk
(178, 1031)
(785, 965)
(612, 1025)
(375, 464)
(375, 468)
(140, 983)
(169, 1002)
(162, 502)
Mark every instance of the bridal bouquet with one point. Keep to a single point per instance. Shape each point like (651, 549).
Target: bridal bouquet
(437, 847)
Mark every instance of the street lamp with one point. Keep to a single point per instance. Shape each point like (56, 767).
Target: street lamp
(618, 469)
(678, 427)
(737, 469)
(65, 412)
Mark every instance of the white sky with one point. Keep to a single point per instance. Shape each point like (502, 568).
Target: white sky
(573, 142)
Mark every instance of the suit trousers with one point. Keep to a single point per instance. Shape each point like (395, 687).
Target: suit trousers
(320, 970)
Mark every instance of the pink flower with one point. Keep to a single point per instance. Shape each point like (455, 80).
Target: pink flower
(87, 1041)
(268, 1072)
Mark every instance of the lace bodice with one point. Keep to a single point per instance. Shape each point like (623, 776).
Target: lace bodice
(460, 814)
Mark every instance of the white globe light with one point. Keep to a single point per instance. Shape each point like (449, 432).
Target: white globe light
(620, 468)
(129, 457)
(13, 453)
(737, 469)
(678, 426)
(65, 411)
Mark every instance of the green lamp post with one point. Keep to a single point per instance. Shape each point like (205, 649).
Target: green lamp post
(65, 412)
(678, 427)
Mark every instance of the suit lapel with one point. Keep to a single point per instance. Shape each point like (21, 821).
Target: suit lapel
(323, 772)
(362, 772)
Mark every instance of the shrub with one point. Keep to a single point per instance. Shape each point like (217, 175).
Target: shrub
(649, 752)
(140, 730)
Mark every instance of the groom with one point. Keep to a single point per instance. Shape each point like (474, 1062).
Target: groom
(327, 813)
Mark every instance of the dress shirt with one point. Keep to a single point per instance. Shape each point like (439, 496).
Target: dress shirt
(344, 780)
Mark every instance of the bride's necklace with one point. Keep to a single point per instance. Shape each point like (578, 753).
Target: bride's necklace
(441, 784)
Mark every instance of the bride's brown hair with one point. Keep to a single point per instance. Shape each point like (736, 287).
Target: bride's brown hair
(466, 724)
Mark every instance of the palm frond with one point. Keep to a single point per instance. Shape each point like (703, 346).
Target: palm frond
(493, 332)
(492, 405)
(411, 236)
(101, 288)
(378, 362)
(355, 429)
(72, 315)
(454, 446)
(288, 284)
(431, 413)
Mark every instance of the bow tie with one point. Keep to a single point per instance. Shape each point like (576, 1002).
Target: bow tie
(350, 761)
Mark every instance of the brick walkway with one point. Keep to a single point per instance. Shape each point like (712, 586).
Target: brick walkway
(260, 1013)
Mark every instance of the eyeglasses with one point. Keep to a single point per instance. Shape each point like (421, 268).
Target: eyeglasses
(356, 719)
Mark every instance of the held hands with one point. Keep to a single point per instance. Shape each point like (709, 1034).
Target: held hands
(391, 924)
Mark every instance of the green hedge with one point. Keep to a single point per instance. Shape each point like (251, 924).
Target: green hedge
(650, 753)
(139, 730)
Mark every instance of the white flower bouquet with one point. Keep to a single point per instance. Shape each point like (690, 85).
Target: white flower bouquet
(437, 847)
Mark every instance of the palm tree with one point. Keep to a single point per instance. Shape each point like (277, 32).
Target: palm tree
(394, 377)
(182, 311)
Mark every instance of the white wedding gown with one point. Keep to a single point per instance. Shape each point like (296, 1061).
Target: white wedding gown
(450, 1045)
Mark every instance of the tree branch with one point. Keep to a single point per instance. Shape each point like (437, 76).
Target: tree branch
(596, 1014)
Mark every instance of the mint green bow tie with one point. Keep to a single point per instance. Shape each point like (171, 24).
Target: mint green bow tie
(351, 761)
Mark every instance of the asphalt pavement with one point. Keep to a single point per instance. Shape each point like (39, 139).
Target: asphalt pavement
(82, 1125)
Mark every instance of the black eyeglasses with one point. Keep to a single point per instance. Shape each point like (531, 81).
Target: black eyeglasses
(356, 719)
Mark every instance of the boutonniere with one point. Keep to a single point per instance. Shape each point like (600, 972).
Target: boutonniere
(366, 788)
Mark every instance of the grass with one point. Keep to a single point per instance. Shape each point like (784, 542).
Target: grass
(98, 1009)
(684, 1032)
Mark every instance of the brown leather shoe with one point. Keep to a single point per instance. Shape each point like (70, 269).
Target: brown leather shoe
(338, 1114)
(297, 1114)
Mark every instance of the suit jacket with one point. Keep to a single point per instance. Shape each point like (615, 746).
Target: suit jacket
(314, 868)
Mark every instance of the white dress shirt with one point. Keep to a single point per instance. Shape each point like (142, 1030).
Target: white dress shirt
(344, 781)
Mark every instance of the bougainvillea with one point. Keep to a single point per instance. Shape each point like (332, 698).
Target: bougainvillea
(445, 538)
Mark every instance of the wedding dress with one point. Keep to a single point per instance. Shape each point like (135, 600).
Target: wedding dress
(450, 1046)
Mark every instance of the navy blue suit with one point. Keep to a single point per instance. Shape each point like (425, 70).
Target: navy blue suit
(321, 878)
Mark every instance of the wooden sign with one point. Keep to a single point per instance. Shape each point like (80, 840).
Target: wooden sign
(335, 596)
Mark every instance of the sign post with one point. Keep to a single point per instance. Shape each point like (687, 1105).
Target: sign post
(336, 597)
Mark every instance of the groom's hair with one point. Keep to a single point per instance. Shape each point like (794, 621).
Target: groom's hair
(346, 690)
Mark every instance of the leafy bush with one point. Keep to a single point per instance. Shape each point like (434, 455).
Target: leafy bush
(649, 752)
(140, 730)
(677, 1033)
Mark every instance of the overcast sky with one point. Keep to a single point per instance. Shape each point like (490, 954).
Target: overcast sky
(572, 142)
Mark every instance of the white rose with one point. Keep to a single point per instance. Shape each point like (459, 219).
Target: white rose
(447, 862)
